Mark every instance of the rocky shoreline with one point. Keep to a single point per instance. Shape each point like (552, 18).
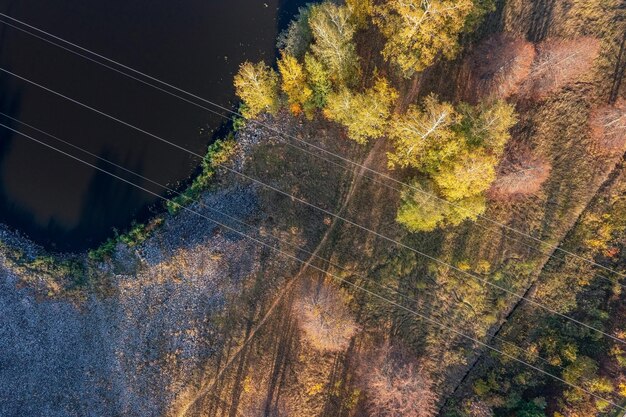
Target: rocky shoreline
(128, 352)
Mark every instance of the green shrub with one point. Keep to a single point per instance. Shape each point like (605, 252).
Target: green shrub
(218, 153)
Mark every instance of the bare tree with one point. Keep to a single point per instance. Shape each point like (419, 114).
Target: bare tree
(522, 172)
(608, 126)
(560, 62)
(500, 64)
(478, 408)
(325, 319)
(398, 385)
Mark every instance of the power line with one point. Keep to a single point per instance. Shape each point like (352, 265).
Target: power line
(265, 125)
(197, 201)
(373, 179)
(338, 278)
(330, 213)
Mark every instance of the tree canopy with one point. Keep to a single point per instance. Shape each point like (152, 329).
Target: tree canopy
(423, 136)
(294, 82)
(333, 31)
(457, 149)
(469, 174)
(365, 115)
(421, 210)
(418, 31)
(257, 86)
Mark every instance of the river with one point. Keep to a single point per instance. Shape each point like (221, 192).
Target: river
(196, 45)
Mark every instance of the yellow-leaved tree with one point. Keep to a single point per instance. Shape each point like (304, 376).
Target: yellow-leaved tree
(419, 31)
(360, 10)
(366, 114)
(319, 81)
(333, 31)
(257, 86)
(294, 83)
(424, 135)
(469, 174)
(489, 125)
(457, 151)
(422, 210)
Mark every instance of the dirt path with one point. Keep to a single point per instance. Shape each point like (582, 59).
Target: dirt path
(357, 172)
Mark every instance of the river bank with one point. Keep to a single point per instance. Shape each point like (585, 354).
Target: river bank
(142, 323)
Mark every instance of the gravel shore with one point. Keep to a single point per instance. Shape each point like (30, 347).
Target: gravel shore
(129, 353)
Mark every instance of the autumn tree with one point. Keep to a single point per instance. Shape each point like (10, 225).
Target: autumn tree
(522, 172)
(488, 126)
(365, 115)
(423, 210)
(257, 86)
(458, 150)
(319, 82)
(297, 37)
(419, 31)
(423, 136)
(499, 65)
(325, 319)
(294, 82)
(333, 31)
(583, 372)
(469, 174)
(608, 126)
(360, 10)
(485, 132)
(560, 62)
(398, 385)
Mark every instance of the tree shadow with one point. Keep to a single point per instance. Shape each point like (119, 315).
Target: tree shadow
(540, 20)
(109, 201)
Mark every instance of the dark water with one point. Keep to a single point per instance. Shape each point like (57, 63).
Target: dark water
(194, 44)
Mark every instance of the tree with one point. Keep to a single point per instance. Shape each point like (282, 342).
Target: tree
(325, 319)
(398, 386)
(458, 150)
(319, 81)
(294, 82)
(560, 62)
(423, 137)
(532, 409)
(428, 136)
(422, 210)
(499, 66)
(583, 372)
(418, 31)
(608, 126)
(482, 135)
(360, 10)
(257, 86)
(488, 127)
(477, 408)
(333, 32)
(297, 37)
(522, 172)
(366, 114)
(471, 173)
